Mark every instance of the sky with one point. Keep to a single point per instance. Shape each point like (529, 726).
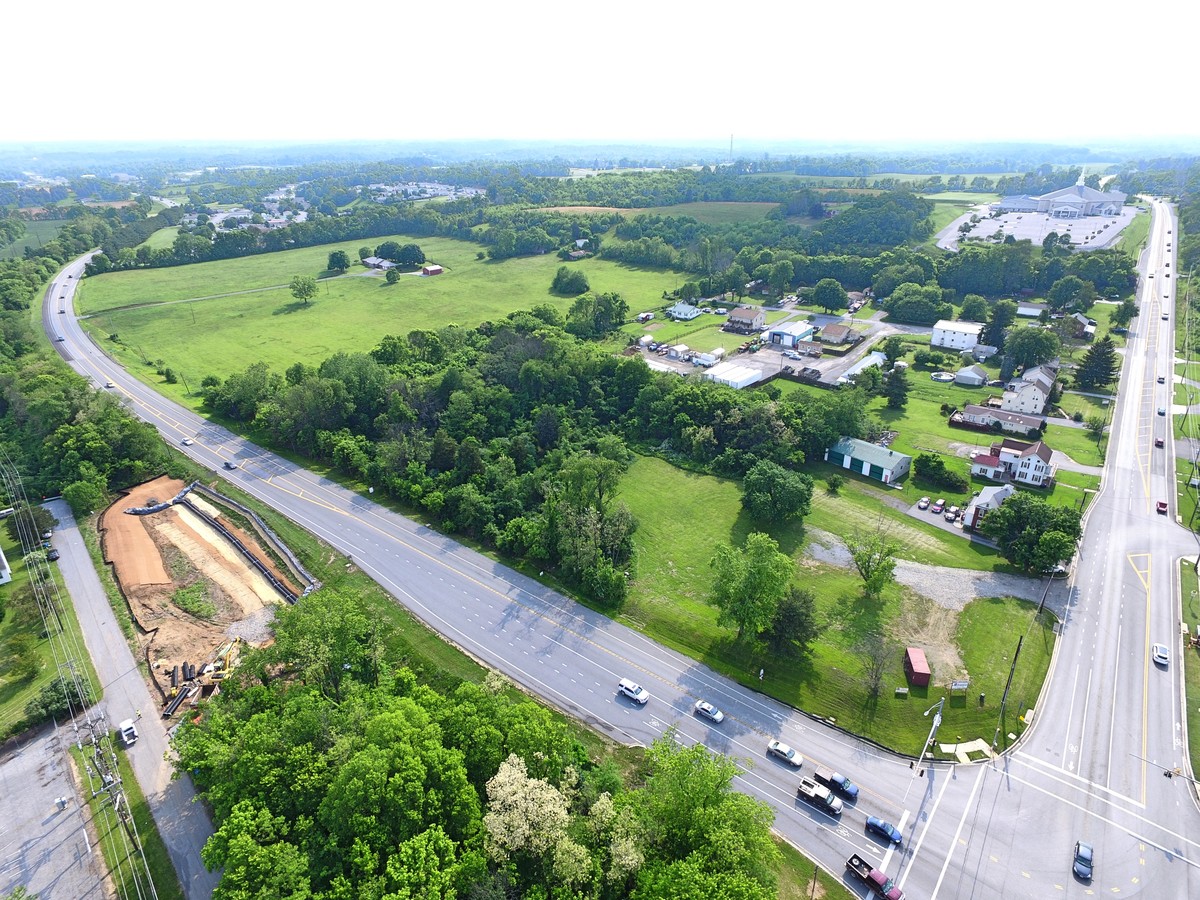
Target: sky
(618, 72)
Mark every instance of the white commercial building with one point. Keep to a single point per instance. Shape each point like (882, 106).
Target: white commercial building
(955, 335)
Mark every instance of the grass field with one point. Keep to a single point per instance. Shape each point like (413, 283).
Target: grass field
(1189, 588)
(1133, 238)
(709, 212)
(120, 856)
(222, 334)
(162, 239)
(684, 516)
(37, 234)
(15, 693)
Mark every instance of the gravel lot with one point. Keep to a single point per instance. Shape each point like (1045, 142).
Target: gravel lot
(950, 588)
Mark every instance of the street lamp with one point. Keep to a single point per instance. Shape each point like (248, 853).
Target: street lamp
(937, 720)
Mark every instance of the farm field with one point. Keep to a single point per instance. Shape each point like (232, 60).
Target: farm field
(709, 212)
(36, 234)
(161, 239)
(667, 601)
(222, 334)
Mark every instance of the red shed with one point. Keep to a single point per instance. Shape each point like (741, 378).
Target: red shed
(432, 270)
(916, 667)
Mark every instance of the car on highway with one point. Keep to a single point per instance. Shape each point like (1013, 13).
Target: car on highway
(1160, 654)
(60, 339)
(229, 465)
(1161, 379)
(1158, 442)
(885, 830)
(1161, 506)
(109, 384)
(1162, 410)
(938, 506)
(62, 312)
(706, 710)
(923, 503)
(1085, 860)
(1165, 317)
(786, 753)
(630, 689)
(187, 442)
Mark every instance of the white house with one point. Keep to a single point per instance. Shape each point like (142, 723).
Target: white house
(1030, 392)
(747, 318)
(988, 416)
(955, 335)
(789, 334)
(683, 312)
(972, 376)
(984, 502)
(1016, 461)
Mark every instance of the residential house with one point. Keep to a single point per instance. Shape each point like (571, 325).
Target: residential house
(984, 502)
(1017, 461)
(987, 417)
(1082, 326)
(983, 352)
(1030, 392)
(377, 262)
(871, 460)
(971, 376)
(838, 334)
(955, 335)
(1031, 310)
(683, 312)
(747, 319)
(791, 333)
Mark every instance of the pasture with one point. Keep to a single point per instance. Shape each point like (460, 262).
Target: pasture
(37, 234)
(714, 212)
(216, 317)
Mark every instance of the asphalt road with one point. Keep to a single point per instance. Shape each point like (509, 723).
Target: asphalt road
(993, 830)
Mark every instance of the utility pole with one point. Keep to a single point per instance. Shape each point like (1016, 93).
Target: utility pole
(937, 720)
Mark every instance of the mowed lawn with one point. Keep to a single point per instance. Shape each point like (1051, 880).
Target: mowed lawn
(682, 518)
(708, 212)
(223, 334)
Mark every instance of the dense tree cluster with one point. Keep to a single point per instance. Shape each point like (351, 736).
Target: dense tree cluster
(1033, 533)
(515, 432)
(333, 773)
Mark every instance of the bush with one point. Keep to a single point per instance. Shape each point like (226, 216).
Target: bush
(569, 282)
(834, 483)
(55, 699)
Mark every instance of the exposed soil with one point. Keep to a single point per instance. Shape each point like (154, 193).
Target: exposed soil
(172, 559)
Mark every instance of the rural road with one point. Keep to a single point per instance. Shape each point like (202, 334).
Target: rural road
(183, 822)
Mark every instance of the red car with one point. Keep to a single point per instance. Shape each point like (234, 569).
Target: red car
(1161, 506)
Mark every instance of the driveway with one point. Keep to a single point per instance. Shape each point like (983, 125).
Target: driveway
(182, 821)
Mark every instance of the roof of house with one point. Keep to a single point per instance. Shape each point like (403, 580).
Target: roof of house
(868, 452)
(793, 328)
(683, 309)
(972, 370)
(1029, 304)
(1003, 415)
(1024, 449)
(745, 312)
(994, 496)
(836, 332)
(960, 327)
(984, 459)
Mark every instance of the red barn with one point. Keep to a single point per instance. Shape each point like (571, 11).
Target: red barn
(432, 270)
(916, 668)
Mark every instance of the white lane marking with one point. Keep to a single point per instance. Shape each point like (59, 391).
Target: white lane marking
(928, 821)
(967, 810)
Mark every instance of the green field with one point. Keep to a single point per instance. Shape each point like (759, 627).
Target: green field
(709, 212)
(162, 239)
(683, 517)
(1133, 238)
(37, 234)
(224, 332)
(1189, 588)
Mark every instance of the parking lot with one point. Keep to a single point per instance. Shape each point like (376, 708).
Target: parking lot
(1087, 232)
(939, 519)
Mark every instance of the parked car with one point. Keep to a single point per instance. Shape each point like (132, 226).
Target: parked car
(923, 503)
(1160, 654)
(786, 753)
(952, 514)
(633, 691)
(885, 830)
(938, 506)
(710, 712)
(52, 555)
(1084, 861)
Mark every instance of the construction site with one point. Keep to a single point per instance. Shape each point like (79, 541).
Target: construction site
(202, 577)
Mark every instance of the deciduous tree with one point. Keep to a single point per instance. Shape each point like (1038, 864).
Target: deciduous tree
(774, 494)
(874, 555)
(303, 287)
(749, 583)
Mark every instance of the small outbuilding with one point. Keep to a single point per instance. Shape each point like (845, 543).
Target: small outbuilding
(916, 667)
(881, 463)
(432, 270)
(972, 376)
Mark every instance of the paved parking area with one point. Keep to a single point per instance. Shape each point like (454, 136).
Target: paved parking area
(44, 848)
(1087, 233)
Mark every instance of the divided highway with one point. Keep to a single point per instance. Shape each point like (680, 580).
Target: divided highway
(993, 830)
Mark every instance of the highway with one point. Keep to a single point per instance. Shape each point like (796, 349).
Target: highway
(1088, 768)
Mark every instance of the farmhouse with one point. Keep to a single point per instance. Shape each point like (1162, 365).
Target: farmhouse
(1082, 326)
(432, 270)
(869, 459)
(747, 319)
(1016, 461)
(955, 335)
(971, 376)
(683, 312)
(377, 262)
(1068, 203)
(789, 334)
(1031, 310)
(984, 502)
